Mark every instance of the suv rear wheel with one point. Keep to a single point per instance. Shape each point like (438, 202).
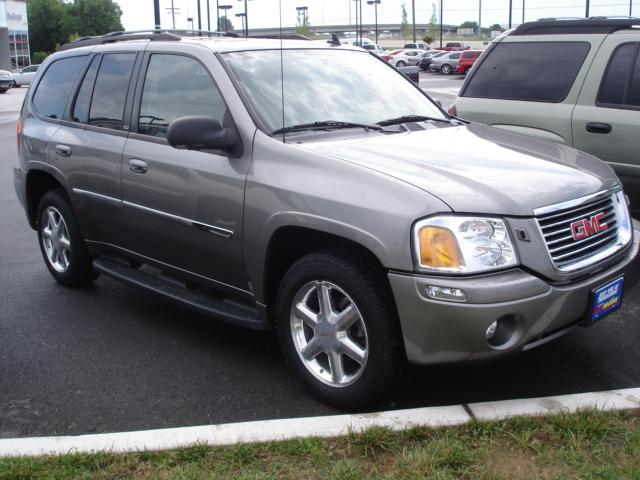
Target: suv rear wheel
(338, 328)
(61, 243)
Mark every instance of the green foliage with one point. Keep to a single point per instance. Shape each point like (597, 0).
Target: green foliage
(54, 22)
(473, 25)
(46, 24)
(221, 24)
(496, 28)
(404, 25)
(428, 39)
(38, 57)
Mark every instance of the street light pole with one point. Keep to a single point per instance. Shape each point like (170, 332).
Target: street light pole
(246, 19)
(361, 29)
(523, 10)
(441, 24)
(480, 18)
(511, 12)
(586, 13)
(156, 12)
(375, 7)
(208, 16)
(357, 29)
(199, 17)
(413, 16)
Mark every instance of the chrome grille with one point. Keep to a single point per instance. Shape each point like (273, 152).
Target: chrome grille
(565, 251)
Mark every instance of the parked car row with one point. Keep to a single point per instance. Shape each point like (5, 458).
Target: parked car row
(17, 79)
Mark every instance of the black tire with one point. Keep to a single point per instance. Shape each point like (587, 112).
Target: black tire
(445, 69)
(401, 63)
(79, 271)
(3, 90)
(368, 288)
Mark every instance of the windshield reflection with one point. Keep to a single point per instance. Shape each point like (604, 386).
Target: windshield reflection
(322, 84)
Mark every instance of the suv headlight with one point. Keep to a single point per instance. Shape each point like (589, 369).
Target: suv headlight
(462, 244)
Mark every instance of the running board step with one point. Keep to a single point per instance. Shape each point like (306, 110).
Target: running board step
(220, 309)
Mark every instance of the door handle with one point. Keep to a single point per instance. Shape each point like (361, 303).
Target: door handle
(63, 150)
(597, 127)
(138, 166)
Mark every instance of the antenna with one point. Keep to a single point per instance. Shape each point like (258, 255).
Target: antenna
(281, 68)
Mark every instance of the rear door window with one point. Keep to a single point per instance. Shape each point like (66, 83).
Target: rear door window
(83, 100)
(177, 86)
(620, 85)
(55, 87)
(528, 71)
(110, 90)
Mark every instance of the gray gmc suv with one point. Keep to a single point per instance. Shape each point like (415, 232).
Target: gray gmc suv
(339, 205)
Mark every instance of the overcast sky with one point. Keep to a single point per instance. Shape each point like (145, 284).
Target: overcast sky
(138, 14)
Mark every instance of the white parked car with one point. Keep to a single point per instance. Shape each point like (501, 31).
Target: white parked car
(407, 58)
(25, 75)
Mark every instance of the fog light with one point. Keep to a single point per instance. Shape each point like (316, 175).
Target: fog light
(491, 331)
(446, 293)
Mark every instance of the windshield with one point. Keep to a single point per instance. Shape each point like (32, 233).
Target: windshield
(325, 85)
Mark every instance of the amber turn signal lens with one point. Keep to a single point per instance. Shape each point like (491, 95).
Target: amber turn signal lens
(439, 248)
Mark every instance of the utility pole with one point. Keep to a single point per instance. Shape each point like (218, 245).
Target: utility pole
(413, 16)
(173, 11)
(511, 12)
(246, 19)
(208, 16)
(523, 10)
(586, 13)
(361, 30)
(156, 12)
(375, 4)
(630, 7)
(480, 19)
(199, 17)
(441, 24)
(357, 29)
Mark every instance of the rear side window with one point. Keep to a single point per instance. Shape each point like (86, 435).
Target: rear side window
(468, 55)
(55, 87)
(531, 71)
(110, 90)
(621, 82)
(177, 86)
(83, 100)
(454, 56)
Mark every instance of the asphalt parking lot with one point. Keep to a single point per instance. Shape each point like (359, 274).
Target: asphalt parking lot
(113, 358)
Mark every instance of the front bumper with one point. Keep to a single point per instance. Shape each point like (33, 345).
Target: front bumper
(437, 331)
(6, 84)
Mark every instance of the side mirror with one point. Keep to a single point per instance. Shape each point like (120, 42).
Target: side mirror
(202, 133)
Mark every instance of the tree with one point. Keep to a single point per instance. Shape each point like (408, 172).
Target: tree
(404, 26)
(434, 16)
(47, 27)
(93, 17)
(221, 24)
(303, 26)
(472, 25)
(496, 28)
(428, 39)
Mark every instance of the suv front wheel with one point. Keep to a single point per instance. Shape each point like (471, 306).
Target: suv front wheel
(338, 328)
(61, 243)
(446, 69)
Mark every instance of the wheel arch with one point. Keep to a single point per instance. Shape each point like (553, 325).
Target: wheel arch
(291, 242)
(38, 183)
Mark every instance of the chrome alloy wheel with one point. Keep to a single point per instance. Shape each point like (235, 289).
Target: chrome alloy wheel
(55, 239)
(329, 333)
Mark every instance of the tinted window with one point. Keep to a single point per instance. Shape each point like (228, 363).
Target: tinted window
(174, 87)
(634, 87)
(110, 91)
(53, 91)
(454, 56)
(533, 71)
(83, 100)
(617, 85)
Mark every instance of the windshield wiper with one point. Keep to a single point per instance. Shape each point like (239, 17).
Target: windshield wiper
(326, 125)
(411, 118)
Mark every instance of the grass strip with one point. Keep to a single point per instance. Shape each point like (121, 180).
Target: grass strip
(583, 445)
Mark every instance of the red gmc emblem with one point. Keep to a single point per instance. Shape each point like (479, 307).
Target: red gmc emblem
(588, 226)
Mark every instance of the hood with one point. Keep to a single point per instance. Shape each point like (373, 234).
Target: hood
(476, 168)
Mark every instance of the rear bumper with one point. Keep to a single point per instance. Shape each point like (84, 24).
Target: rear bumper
(6, 84)
(437, 331)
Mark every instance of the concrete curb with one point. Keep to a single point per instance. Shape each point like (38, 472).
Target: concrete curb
(329, 426)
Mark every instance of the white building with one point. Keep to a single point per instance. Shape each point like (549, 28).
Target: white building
(14, 34)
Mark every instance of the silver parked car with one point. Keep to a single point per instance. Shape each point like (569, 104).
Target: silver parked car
(236, 178)
(25, 76)
(407, 58)
(445, 64)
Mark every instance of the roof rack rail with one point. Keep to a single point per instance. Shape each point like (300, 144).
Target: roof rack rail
(593, 25)
(284, 36)
(161, 34)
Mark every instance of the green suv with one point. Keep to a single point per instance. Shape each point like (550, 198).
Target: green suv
(575, 82)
